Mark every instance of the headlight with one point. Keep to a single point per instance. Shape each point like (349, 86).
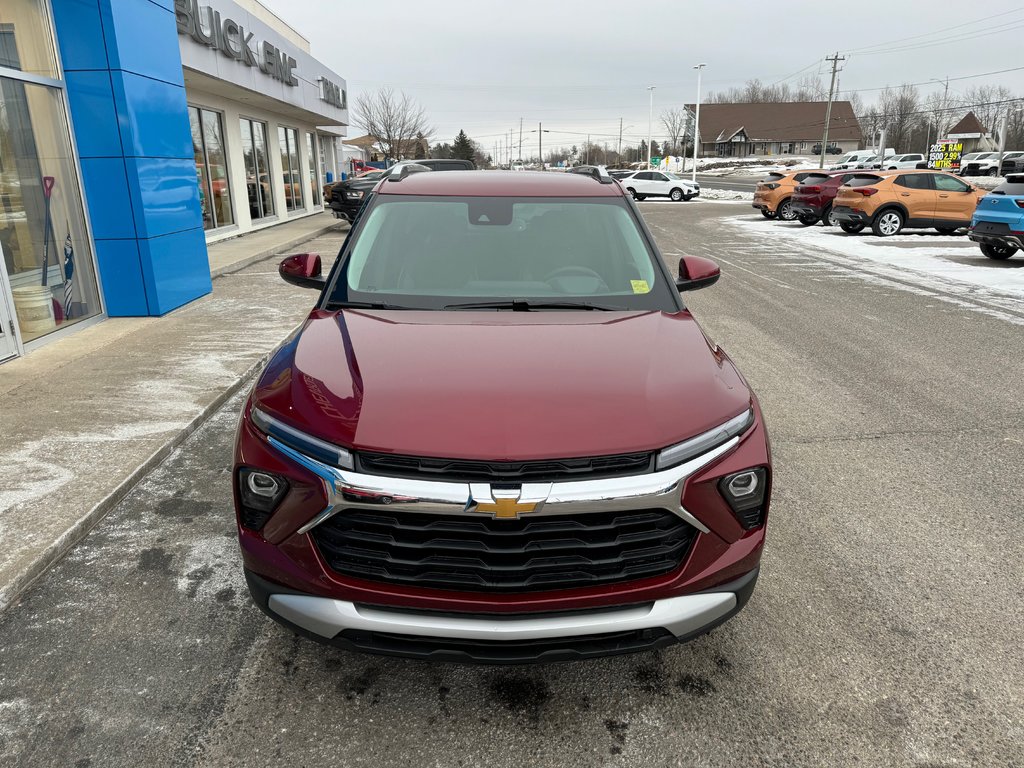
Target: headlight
(314, 447)
(259, 493)
(744, 491)
(354, 195)
(695, 446)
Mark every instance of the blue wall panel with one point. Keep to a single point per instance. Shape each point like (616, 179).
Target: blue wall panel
(94, 113)
(177, 264)
(126, 90)
(107, 187)
(165, 195)
(121, 278)
(153, 116)
(143, 44)
(80, 34)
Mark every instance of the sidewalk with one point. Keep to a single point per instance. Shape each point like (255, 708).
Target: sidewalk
(84, 418)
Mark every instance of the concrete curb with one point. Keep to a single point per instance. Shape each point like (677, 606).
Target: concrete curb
(268, 252)
(10, 592)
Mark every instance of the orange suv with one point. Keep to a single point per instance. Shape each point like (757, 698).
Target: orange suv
(774, 194)
(890, 202)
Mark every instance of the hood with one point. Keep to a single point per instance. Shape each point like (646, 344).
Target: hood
(501, 385)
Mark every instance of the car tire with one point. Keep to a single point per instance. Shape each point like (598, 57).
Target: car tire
(827, 219)
(640, 197)
(785, 210)
(850, 228)
(993, 171)
(808, 221)
(946, 230)
(998, 252)
(632, 192)
(888, 223)
(768, 214)
(676, 195)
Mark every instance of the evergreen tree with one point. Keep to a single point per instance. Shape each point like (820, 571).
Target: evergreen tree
(462, 147)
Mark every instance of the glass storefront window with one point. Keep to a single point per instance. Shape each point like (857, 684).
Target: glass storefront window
(311, 165)
(211, 167)
(26, 43)
(47, 254)
(257, 171)
(288, 140)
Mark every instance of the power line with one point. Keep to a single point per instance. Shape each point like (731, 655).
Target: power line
(936, 31)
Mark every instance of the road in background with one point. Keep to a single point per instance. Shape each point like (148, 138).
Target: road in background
(885, 629)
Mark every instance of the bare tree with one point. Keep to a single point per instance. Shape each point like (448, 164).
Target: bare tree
(674, 121)
(900, 115)
(395, 120)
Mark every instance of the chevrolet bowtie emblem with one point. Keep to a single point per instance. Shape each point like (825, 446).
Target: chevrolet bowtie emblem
(506, 508)
(507, 503)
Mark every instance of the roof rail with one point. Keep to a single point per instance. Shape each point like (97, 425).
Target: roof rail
(402, 170)
(599, 172)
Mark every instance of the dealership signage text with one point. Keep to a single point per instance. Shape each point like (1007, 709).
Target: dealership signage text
(205, 26)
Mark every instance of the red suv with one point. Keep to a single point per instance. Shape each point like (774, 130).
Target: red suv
(812, 199)
(500, 436)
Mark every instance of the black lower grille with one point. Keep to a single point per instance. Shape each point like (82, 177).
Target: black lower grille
(471, 553)
(503, 651)
(549, 470)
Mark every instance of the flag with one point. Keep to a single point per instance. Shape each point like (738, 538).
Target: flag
(69, 272)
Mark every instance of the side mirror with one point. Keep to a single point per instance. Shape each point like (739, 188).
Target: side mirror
(302, 269)
(696, 272)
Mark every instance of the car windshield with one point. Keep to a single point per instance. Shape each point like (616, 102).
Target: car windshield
(1012, 186)
(984, 156)
(816, 178)
(773, 177)
(418, 252)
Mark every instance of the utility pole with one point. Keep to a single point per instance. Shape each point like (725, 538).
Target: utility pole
(540, 144)
(520, 139)
(696, 122)
(618, 150)
(831, 95)
(588, 150)
(650, 124)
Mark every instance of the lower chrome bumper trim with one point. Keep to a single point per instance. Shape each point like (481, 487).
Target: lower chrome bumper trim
(326, 617)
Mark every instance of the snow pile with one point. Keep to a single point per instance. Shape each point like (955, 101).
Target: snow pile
(753, 166)
(945, 264)
(725, 194)
(984, 182)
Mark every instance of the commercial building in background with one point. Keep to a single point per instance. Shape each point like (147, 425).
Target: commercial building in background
(789, 128)
(135, 132)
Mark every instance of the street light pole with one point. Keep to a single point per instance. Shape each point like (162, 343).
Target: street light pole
(540, 144)
(650, 125)
(696, 122)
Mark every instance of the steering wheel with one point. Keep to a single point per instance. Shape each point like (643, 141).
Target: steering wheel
(575, 271)
(557, 275)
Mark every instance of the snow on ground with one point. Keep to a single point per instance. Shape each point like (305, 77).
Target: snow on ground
(950, 265)
(753, 166)
(725, 194)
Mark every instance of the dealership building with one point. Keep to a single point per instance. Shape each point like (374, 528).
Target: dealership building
(133, 133)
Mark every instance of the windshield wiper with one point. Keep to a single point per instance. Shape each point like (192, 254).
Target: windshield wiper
(364, 305)
(523, 305)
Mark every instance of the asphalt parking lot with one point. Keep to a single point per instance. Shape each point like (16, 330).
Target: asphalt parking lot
(885, 629)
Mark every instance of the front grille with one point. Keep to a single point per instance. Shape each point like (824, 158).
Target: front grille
(470, 470)
(460, 552)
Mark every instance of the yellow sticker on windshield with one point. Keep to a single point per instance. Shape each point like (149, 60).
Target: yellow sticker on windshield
(640, 286)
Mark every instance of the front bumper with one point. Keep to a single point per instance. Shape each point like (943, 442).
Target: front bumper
(502, 639)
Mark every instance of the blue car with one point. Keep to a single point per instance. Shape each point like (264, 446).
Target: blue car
(998, 223)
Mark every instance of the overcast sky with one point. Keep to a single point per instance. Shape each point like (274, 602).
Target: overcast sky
(578, 66)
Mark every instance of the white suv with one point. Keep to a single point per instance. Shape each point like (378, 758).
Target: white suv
(659, 184)
(900, 162)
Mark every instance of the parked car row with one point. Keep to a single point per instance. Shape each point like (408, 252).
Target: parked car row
(890, 201)
(345, 198)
